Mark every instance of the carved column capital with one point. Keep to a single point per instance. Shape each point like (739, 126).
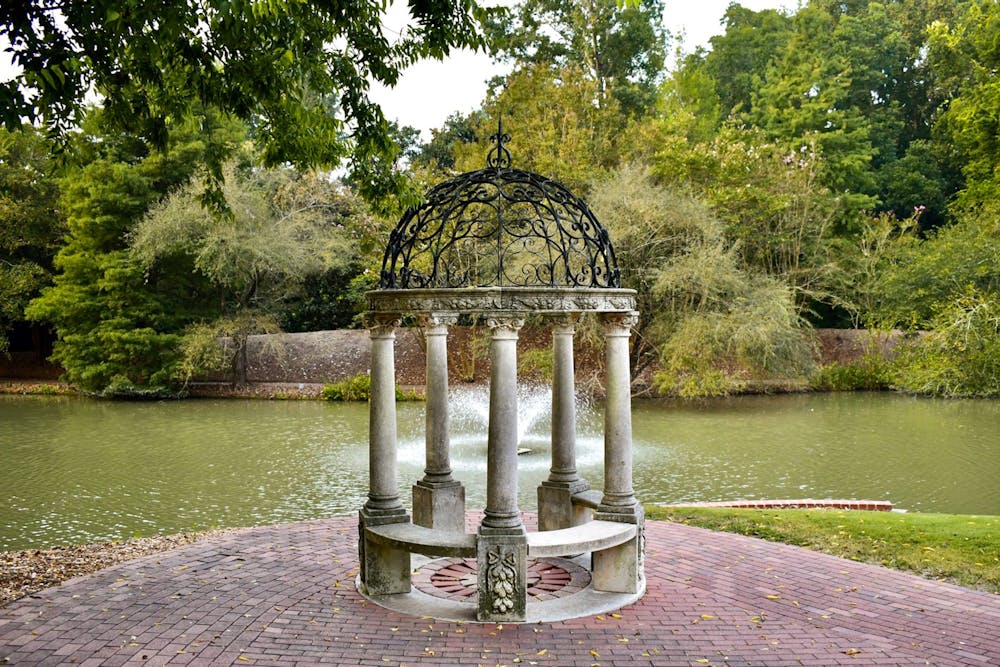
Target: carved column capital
(382, 325)
(619, 324)
(564, 323)
(504, 326)
(433, 321)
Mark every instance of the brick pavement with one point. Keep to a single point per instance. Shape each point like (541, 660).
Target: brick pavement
(285, 595)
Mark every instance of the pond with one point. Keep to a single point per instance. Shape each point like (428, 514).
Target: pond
(76, 470)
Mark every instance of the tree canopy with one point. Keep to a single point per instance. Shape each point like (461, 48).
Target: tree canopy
(297, 72)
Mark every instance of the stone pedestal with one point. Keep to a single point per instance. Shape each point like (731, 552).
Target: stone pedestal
(620, 569)
(441, 507)
(384, 570)
(503, 590)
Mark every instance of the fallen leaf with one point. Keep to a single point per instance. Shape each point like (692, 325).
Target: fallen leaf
(773, 597)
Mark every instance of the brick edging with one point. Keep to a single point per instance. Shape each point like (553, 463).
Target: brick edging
(801, 503)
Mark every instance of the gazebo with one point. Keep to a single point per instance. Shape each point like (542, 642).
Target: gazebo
(502, 244)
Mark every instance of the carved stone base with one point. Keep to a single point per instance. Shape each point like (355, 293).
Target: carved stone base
(555, 505)
(384, 569)
(502, 572)
(441, 507)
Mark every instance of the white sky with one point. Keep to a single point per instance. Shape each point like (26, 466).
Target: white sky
(428, 92)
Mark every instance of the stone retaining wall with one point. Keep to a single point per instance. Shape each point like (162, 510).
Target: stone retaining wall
(319, 357)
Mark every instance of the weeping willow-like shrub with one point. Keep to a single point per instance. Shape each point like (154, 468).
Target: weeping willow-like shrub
(961, 356)
(712, 322)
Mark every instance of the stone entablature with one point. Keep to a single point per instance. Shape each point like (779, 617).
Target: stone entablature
(476, 300)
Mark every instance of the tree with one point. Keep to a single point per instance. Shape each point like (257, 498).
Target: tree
(31, 225)
(852, 80)
(965, 57)
(775, 212)
(739, 58)
(439, 153)
(284, 228)
(111, 329)
(619, 46)
(923, 276)
(557, 128)
(297, 72)
(116, 325)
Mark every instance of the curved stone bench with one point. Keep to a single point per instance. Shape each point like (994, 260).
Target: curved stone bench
(591, 536)
(417, 539)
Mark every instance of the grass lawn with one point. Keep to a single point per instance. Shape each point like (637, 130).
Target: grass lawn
(961, 549)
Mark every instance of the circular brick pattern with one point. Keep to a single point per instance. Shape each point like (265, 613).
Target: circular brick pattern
(456, 578)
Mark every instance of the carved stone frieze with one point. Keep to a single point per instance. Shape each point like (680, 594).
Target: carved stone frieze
(496, 299)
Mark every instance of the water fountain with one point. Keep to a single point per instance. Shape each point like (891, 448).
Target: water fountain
(502, 245)
(469, 412)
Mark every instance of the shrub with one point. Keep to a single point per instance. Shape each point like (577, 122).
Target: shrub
(359, 388)
(869, 373)
(961, 357)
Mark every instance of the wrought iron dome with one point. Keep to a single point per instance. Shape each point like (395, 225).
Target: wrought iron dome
(499, 227)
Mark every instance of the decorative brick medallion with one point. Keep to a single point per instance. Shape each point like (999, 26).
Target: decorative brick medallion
(455, 578)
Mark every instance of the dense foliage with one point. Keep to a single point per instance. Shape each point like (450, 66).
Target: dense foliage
(298, 72)
(831, 166)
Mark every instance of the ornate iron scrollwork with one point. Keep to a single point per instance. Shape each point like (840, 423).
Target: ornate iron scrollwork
(499, 227)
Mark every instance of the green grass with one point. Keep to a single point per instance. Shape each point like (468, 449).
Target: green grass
(961, 549)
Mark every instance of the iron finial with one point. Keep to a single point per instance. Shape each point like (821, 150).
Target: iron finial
(499, 157)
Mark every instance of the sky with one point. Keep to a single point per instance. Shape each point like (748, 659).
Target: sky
(428, 92)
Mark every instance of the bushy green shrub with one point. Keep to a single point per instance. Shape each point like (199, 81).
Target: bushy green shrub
(961, 357)
(871, 372)
(359, 388)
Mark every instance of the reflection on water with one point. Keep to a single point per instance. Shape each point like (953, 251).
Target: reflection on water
(77, 470)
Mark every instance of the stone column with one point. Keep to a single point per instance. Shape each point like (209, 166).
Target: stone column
(618, 569)
(502, 544)
(555, 495)
(438, 499)
(384, 569)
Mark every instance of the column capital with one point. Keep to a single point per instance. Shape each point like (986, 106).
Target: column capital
(440, 321)
(509, 324)
(564, 323)
(382, 325)
(619, 323)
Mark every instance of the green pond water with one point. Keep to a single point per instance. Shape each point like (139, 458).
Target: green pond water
(75, 470)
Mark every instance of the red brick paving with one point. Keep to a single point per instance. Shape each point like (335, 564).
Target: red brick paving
(285, 595)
